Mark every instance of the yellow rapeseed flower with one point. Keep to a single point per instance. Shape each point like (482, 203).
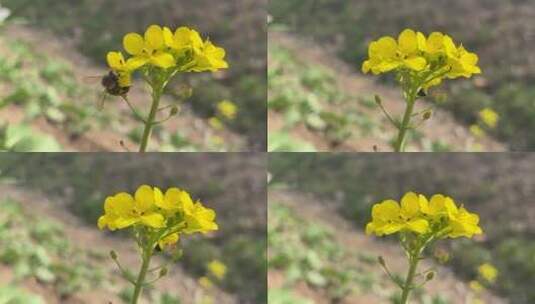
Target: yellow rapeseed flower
(227, 109)
(477, 131)
(429, 60)
(123, 68)
(416, 214)
(476, 286)
(488, 272)
(206, 283)
(171, 214)
(150, 49)
(489, 117)
(217, 269)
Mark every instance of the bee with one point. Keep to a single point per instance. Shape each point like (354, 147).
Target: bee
(111, 85)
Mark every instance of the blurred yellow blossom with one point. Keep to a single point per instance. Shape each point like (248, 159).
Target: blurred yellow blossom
(217, 269)
(476, 286)
(488, 272)
(477, 131)
(215, 123)
(205, 282)
(227, 109)
(489, 117)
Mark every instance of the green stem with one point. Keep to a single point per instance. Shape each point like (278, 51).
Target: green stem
(142, 274)
(400, 142)
(407, 287)
(149, 122)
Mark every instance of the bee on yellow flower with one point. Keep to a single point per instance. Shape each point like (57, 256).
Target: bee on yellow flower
(159, 54)
(420, 63)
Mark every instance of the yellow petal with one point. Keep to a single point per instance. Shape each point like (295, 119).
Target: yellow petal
(115, 60)
(136, 62)
(410, 205)
(168, 37)
(154, 37)
(386, 48)
(408, 42)
(144, 197)
(163, 60)
(418, 225)
(169, 240)
(133, 44)
(387, 210)
(416, 63)
(154, 220)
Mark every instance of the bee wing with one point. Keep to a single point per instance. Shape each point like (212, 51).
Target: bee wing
(91, 79)
(101, 100)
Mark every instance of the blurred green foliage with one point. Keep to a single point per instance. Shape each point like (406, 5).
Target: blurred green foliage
(488, 183)
(496, 27)
(13, 295)
(308, 252)
(97, 26)
(43, 252)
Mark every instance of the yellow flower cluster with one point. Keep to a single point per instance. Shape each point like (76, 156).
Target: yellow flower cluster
(439, 216)
(429, 59)
(182, 51)
(165, 215)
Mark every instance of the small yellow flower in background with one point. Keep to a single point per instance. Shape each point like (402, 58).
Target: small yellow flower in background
(215, 123)
(217, 269)
(488, 272)
(476, 286)
(157, 219)
(206, 283)
(227, 109)
(477, 131)
(489, 117)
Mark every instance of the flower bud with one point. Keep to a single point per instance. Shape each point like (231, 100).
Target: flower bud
(174, 111)
(429, 276)
(381, 261)
(378, 100)
(163, 272)
(427, 115)
(113, 255)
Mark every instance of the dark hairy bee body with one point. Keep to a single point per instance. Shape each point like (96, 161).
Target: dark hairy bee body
(110, 82)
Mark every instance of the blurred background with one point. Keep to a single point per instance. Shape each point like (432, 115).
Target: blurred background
(319, 97)
(51, 248)
(48, 49)
(320, 203)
